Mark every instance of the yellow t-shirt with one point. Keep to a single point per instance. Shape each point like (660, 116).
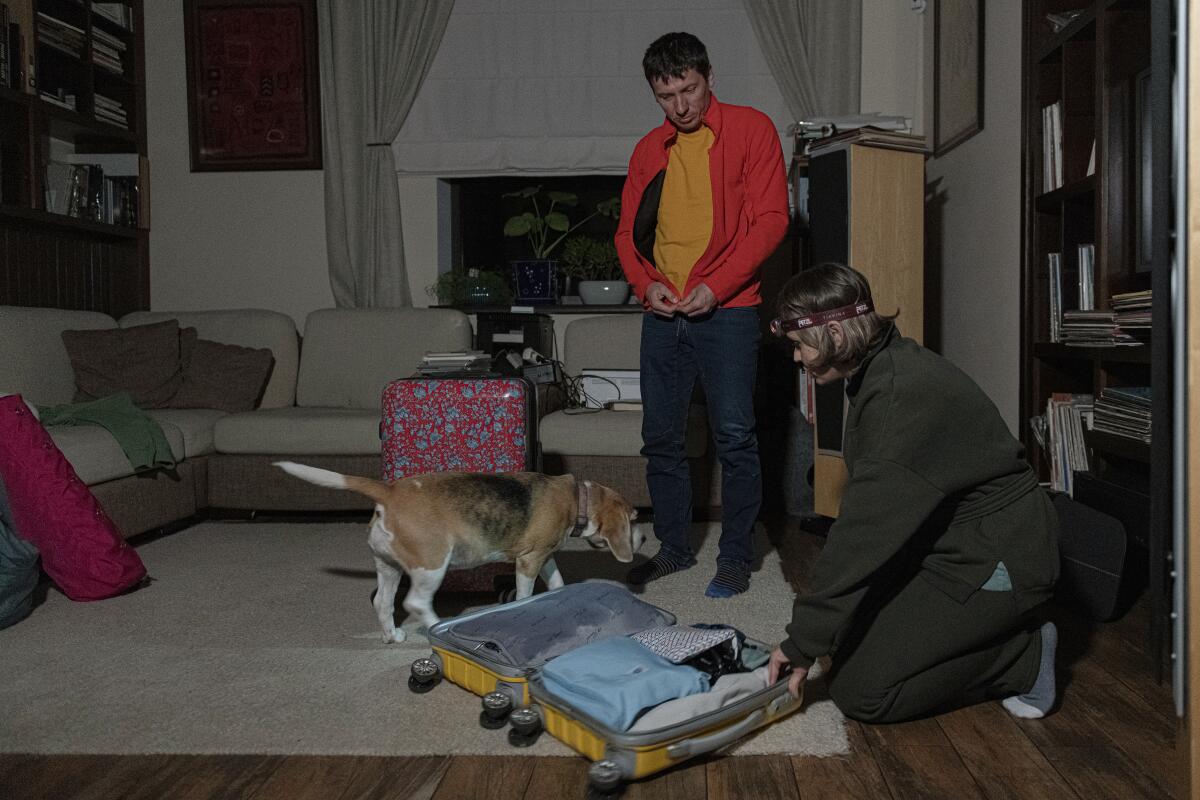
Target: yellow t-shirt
(685, 209)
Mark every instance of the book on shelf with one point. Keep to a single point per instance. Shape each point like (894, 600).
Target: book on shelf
(119, 14)
(1054, 275)
(5, 78)
(1087, 277)
(1052, 168)
(1091, 169)
(1133, 310)
(1067, 417)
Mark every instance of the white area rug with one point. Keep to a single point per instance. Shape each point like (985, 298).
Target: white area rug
(260, 638)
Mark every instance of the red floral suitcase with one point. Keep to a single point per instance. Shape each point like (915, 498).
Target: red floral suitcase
(459, 424)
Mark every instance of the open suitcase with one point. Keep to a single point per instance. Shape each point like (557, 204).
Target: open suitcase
(449, 423)
(500, 652)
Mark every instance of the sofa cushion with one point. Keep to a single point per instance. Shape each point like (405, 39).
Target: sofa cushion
(95, 455)
(610, 433)
(613, 341)
(195, 426)
(52, 508)
(349, 355)
(248, 327)
(141, 360)
(299, 431)
(31, 350)
(226, 377)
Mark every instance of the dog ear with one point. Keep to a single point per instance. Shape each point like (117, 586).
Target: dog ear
(613, 525)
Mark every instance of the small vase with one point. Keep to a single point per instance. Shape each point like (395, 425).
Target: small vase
(537, 281)
(598, 293)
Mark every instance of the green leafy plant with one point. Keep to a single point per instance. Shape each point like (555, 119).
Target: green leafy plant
(473, 287)
(588, 259)
(547, 224)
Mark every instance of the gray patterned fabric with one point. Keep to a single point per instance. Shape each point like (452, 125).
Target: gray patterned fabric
(678, 643)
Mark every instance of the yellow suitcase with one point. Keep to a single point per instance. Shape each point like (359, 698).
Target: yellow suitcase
(514, 695)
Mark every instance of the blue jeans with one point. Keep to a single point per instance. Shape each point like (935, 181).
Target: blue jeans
(721, 349)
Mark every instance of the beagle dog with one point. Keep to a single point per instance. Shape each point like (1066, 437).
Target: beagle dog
(427, 524)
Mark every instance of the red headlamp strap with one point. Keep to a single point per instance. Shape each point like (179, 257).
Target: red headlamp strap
(781, 326)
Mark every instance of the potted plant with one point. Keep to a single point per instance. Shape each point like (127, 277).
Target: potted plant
(595, 265)
(545, 224)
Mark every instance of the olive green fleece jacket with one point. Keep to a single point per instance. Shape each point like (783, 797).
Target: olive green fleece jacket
(937, 483)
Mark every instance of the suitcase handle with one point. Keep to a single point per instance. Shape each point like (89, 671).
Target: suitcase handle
(706, 744)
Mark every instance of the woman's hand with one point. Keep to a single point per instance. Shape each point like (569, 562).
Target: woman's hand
(779, 666)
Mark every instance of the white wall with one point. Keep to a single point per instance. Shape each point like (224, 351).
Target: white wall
(223, 239)
(258, 238)
(976, 194)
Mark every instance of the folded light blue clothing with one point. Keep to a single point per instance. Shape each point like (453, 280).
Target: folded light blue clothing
(615, 680)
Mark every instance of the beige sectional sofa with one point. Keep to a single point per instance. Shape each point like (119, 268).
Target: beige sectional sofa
(321, 405)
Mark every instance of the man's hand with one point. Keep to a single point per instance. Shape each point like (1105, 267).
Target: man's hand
(700, 300)
(661, 299)
(779, 665)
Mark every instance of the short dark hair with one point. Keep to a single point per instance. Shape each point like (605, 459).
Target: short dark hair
(673, 54)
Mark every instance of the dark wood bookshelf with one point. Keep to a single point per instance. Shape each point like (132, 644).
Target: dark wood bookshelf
(1119, 446)
(36, 216)
(51, 259)
(1095, 69)
(1056, 351)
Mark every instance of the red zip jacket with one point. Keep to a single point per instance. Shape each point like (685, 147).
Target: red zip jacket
(749, 192)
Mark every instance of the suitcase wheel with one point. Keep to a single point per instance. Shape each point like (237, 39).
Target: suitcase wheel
(425, 674)
(526, 727)
(496, 709)
(605, 780)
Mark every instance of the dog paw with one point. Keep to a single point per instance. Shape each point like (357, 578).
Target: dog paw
(394, 637)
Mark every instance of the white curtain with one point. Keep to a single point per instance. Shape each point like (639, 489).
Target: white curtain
(374, 56)
(814, 48)
(528, 86)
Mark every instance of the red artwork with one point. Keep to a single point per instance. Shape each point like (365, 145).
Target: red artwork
(253, 85)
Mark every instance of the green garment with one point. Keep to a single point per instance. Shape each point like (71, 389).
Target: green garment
(139, 435)
(938, 487)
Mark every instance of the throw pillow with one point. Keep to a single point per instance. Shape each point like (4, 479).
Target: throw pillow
(82, 551)
(142, 360)
(226, 377)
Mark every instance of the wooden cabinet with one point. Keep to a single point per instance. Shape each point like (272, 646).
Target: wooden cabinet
(73, 169)
(1096, 155)
(867, 209)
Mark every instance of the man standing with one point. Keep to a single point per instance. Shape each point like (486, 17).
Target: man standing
(705, 203)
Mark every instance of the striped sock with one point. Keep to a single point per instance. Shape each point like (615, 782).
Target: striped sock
(733, 577)
(666, 562)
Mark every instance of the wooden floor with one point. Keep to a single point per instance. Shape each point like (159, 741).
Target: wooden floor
(1112, 737)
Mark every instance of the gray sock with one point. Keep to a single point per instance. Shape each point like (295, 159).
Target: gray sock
(1037, 702)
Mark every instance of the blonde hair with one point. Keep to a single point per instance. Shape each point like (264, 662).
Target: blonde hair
(826, 287)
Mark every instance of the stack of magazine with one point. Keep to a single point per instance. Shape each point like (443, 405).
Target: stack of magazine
(1132, 310)
(1060, 434)
(454, 362)
(868, 134)
(1125, 412)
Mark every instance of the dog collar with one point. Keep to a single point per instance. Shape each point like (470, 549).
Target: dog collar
(581, 516)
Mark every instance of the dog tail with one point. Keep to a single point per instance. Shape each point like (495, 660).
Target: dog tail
(376, 490)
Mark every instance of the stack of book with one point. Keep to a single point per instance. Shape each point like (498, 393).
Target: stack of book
(59, 98)
(110, 111)
(1132, 310)
(55, 33)
(1094, 329)
(1060, 433)
(1124, 412)
(470, 361)
(868, 134)
(107, 51)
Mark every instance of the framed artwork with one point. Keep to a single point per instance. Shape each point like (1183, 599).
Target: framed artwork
(957, 72)
(253, 86)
